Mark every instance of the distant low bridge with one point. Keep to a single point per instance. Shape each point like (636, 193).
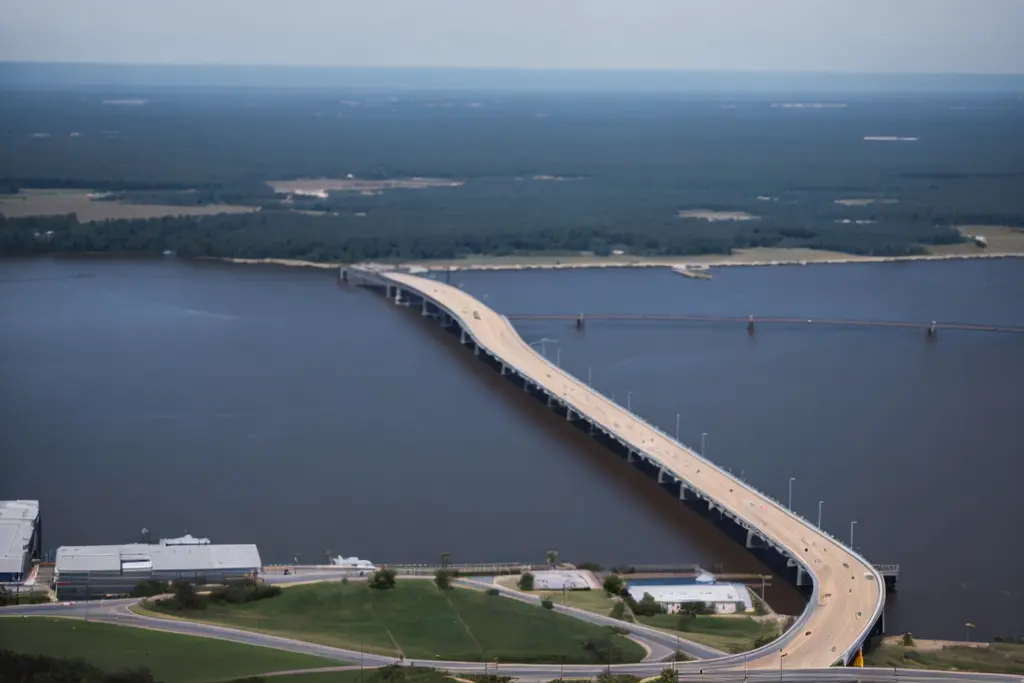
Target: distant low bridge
(931, 328)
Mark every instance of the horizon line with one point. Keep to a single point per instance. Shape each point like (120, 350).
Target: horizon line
(532, 69)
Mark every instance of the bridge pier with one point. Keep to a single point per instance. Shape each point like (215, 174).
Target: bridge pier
(581, 322)
(750, 325)
(933, 330)
(423, 310)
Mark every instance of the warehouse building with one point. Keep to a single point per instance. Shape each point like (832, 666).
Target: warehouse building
(20, 539)
(91, 572)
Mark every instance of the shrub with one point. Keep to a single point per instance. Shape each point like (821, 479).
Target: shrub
(382, 579)
(147, 589)
(647, 606)
(493, 591)
(443, 579)
(618, 611)
(912, 655)
(547, 603)
(614, 585)
(908, 640)
(526, 581)
(759, 607)
(589, 566)
(764, 639)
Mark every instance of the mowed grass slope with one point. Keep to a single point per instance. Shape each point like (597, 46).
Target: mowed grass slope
(172, 658)
(729, 634)
(421, 622)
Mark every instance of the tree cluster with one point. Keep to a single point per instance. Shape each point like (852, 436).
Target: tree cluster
(382, 579)
(26, 668)
(186, 597)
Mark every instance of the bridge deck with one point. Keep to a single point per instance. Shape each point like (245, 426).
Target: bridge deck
(850, 593)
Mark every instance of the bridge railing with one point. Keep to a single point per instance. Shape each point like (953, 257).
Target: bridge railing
(797, 626)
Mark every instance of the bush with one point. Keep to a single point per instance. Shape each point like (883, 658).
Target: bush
(382, 579)
(526, 581)
(908, 640)
(764, 639)
(147, 589)
(759, 607)
(443, 579)
(912, 655)
(647, 606)
(618, 611)
(614, 585)
(547, 603)
(589, 566)
(493, 591)
(241, 592)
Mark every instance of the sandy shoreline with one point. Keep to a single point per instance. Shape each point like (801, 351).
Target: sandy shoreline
(556, 263)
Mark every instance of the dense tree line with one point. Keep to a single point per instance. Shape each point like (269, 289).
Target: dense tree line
(614, 171)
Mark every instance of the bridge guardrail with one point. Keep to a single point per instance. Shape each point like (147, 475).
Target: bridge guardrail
(797, 626)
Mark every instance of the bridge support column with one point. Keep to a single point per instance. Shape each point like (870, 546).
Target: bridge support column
(551, 400)
(750, 538)
(423, 309)
(398, 295)
(661, 476)
(503, 368)
(462, 336)
(750, 325)
(631, 455)
(682, 493)
(568, 414)
(476, 349)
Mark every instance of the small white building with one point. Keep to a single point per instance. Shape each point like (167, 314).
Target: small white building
(724, 598)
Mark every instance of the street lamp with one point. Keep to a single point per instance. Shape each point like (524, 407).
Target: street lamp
(820, 503)
(629, 401)
(851, 533)
(677, 426)
(590, 377)
(544, 345)
(703, 442)
(791, 480)
(558, 356)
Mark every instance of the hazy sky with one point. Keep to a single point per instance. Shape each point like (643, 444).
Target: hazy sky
(848, 35)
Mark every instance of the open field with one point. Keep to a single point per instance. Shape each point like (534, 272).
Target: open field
(172, 658)
(715, 216)
(78, 202)
(596, 601)
(984, 658)
(420, 622)
(731, 634)
(312, 185)
(1001, 240)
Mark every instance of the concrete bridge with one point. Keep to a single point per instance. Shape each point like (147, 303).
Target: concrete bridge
(846, 593)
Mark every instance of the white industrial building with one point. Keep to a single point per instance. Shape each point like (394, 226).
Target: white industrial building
(724, 598)
(84, 572)
(20, 539)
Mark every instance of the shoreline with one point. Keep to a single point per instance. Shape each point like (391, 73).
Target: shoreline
(559, 263)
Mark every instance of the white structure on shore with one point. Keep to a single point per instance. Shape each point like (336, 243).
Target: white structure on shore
(724, 598)
(353, 563)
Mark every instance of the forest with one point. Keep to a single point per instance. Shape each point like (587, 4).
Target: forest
(541, 172)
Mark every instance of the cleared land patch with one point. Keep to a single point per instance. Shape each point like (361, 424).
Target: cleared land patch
(318, 186)
(716, 216)
(865, 202)
(417, 620)
(88, 209)
(171, 657)
(1001, 239)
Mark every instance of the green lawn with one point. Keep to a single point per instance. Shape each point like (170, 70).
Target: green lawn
(422, 623)
(729, 634)
(171, 657)
(596, 601)
(996, 658)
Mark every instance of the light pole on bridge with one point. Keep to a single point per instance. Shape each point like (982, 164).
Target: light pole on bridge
(703, 442)
(629, 401)
(677, 425)
(820, 503)
(791, 480)
(851, 533)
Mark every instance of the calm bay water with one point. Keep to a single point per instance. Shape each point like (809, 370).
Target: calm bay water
(269, 405)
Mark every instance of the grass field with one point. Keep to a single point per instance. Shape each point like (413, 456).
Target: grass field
(729, 634)
(421, 623)
(172, 658)
(593, 600)
(996, 658)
